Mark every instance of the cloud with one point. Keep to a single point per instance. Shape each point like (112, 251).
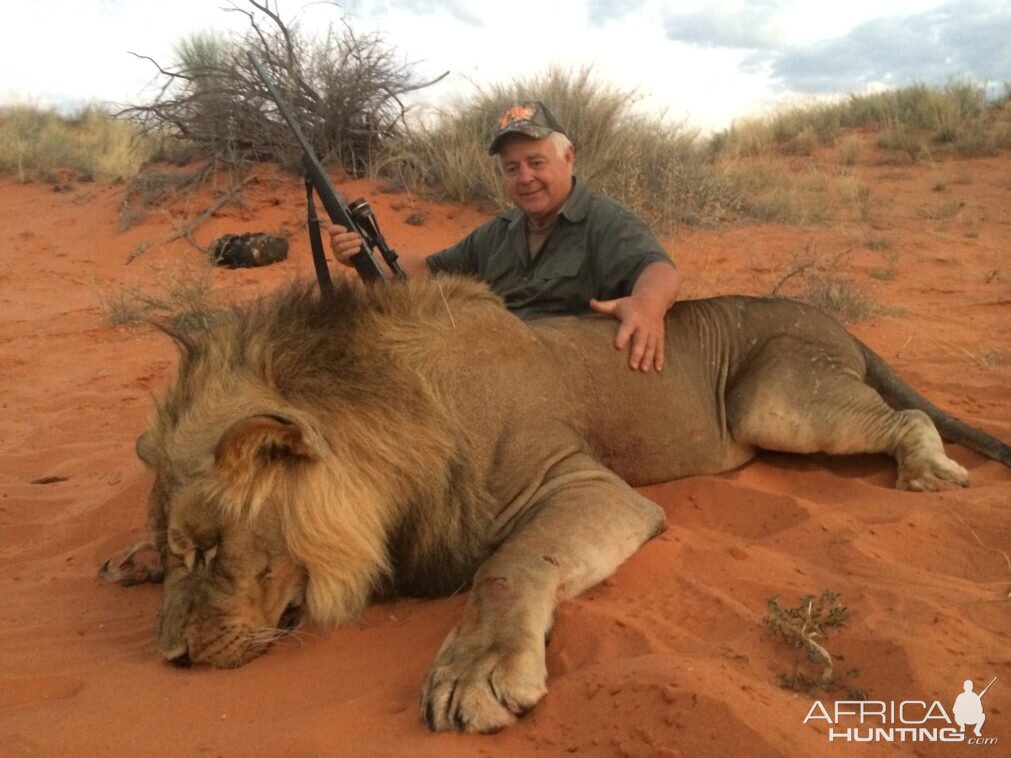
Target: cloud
(752, 25)
(964, 38)
(600, 12)
(457, 9)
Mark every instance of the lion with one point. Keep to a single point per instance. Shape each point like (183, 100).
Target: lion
(412, 438)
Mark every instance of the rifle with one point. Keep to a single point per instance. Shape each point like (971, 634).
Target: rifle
(357, 217)
(987, 687)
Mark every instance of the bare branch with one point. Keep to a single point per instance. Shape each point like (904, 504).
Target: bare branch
(347, 90)
(187, 230)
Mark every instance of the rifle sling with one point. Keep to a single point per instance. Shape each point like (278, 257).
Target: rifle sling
(316, 242)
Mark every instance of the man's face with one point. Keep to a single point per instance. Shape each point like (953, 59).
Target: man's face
(537, 178)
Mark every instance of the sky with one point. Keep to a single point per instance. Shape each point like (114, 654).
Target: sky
(701, 62)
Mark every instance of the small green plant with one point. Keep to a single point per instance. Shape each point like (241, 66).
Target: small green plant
(800, 627)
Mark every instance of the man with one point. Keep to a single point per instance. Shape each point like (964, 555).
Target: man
(563, 250)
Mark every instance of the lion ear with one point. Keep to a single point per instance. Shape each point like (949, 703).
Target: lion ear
(261, 440)
(146, 449)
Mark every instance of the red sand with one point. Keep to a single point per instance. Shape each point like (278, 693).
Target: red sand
(669, 657)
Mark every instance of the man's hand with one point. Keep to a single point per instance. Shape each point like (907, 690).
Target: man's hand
(343, 244)
(642, 316)
(642, 324)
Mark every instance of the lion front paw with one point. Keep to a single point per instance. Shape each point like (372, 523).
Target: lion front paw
(474, 688)
(136, 565)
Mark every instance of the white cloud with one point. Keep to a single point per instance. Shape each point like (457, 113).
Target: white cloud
(705, 60)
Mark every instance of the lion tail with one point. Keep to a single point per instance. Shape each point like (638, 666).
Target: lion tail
(900, 395)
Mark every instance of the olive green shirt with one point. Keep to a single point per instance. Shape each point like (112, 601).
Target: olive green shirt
(596, 249)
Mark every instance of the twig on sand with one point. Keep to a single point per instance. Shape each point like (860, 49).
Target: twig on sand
(186, 231)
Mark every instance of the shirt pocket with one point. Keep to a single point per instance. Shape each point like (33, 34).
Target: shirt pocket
(567, 267)
(563, 286)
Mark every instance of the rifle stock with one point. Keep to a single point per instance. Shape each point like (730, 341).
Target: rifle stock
(364, 261)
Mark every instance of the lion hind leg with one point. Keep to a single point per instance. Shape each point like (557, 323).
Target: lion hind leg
(800, 400)
(491, 669)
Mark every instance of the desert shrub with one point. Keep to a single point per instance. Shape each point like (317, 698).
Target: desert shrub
(957, 114)
(825, 283)
(344, 88)
(658, 168)
(850, 148)
(804, 627)
(769, 190)
(36, 141)
(184, 300)
(797, 130)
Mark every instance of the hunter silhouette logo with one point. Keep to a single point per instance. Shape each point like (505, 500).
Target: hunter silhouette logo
(905, 720)
(968, 708)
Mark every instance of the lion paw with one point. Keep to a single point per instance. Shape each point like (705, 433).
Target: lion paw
(927, 474)
(140, 563)
(476, 689)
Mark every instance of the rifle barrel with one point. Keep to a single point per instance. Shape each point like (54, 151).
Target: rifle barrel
(364, 261)
(987, 687)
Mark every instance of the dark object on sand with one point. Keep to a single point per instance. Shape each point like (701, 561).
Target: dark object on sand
(247, 250)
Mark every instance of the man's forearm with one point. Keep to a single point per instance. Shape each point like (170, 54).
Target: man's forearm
(414, 265)
(659, 283)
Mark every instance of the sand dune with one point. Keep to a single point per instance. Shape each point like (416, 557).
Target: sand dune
(668, 657)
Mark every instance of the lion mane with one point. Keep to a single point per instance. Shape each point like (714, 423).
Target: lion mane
(374, 489)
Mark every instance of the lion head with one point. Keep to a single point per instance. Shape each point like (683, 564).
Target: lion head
(231, 583)
(300, 469)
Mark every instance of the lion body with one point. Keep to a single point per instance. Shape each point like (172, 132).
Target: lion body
(417, 437)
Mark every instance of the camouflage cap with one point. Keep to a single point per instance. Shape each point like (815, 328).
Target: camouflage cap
(530, 118)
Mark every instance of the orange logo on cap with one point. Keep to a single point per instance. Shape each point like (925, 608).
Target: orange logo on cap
(516, 113)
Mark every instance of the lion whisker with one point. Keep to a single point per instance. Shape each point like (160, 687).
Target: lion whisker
(271, 635)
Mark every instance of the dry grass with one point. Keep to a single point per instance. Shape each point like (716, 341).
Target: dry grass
(850, 147)
(35, 141)
(671, 176)
(824, 282)
(183, 300)
(660, 169)
(914, 122)
(663, 171)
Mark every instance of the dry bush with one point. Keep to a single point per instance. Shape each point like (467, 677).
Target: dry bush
(36, 141)
(957, 115)
(345, 89)
(184, 300)
(770, 190)
(795, 130)
(663, 171)
(820, 281)
(850, 149)
(658, 168)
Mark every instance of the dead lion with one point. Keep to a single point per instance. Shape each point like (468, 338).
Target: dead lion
(415, 437)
